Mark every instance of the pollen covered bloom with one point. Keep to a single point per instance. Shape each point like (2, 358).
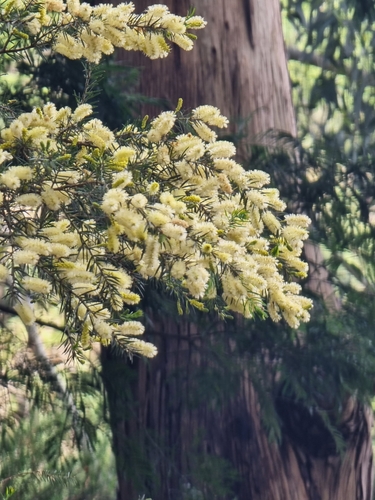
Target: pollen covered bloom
(204, 132)
(131, 328)
(12, 177)
(29, 257)
(54, 198)
(142, 348)
(36, 245)
(298, 220)
(103, 329)
(104, 27)
(210, 115)
(122, 155)
(26, 313)
(37, 285)
(189, 146)
(221, 149)
(29, 200)
(161, 125)
(5, 156)
(81, 112)
(196, 281)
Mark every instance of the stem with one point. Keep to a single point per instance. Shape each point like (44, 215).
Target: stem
(53, 375)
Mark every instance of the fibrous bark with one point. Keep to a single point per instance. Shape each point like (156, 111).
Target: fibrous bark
(238, 64)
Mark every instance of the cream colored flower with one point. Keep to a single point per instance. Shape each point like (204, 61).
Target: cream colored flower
(189, 146)
(26, 313)
(161, 125)
(4, 273)
(37, 285)
(130, 328)
(196, 281)
(122, 155)
(145, 349)
(204, 132)
(221, 149)
(29, 200)
(210, 115)
(14, 175)
(29, 257)
(81, 112)
(103, 329)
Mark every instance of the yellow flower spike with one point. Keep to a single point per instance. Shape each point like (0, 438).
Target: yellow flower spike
(130, 298)
(65, 265)
(192, 198)
(117, 183)
(42, 15)
(64, 157)
(153, 188)
(144, 122)
(195, 22)
(300, 274)
(21, 34)
(9, 7)
(116, 227)
(206, 248)
(113, 243)
(26, 313)
(122, 156)
(89, 159)
(85, 336)
(117, 167)
(198, 305)
(179, 308)
(179, 105)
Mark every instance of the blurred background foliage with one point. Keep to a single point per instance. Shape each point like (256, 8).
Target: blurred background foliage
(327, 172)
(331, 60)
(45, 453)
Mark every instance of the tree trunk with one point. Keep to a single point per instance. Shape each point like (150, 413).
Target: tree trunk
(185, 411)
(170, 425)
(238, 64)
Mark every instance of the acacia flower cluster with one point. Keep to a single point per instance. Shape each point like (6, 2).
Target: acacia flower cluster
(78, 30)
(91, 214)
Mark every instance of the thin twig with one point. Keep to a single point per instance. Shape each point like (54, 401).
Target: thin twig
(9, 310)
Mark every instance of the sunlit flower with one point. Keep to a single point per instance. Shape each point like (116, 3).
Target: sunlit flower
(37, 285)
(25, 312)
(145, 349)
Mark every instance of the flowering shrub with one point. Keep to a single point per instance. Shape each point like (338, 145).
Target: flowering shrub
(78, 30)
(88, 214)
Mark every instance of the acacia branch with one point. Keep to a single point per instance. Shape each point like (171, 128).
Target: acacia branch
(37, 346)
(50, 372)
(10, 310)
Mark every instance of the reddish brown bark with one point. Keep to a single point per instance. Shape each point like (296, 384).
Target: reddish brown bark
(179, 426)
(238, 64)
